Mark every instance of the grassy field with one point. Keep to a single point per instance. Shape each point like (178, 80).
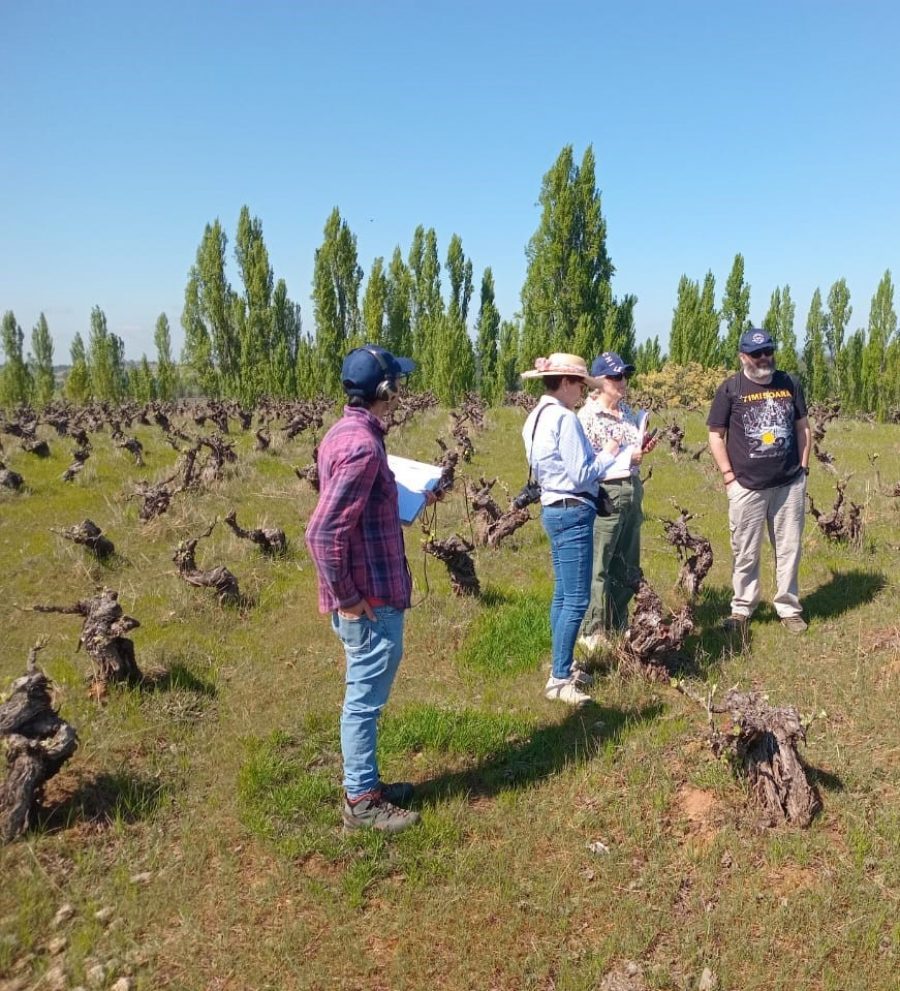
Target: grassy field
(196, 831)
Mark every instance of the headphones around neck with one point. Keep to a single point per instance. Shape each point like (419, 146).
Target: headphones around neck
(387, 388)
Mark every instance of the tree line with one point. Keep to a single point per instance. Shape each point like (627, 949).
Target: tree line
(247, 340)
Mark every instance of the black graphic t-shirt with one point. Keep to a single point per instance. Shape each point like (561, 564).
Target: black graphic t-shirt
(760, 421)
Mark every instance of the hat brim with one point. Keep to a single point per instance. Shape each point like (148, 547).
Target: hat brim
(405, 366)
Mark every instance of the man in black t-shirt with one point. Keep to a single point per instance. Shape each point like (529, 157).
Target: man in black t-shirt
(760, 439)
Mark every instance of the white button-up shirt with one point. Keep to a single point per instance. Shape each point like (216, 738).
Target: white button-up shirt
(561, 457)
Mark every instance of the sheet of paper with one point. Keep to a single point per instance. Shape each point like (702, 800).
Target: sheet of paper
(414, 479)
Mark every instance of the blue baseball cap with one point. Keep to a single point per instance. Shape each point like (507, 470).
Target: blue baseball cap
(755, 339)
(365, 368)
(610, 363)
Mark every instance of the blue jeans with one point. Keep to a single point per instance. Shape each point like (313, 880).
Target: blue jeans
(373, 651)
(571, 533)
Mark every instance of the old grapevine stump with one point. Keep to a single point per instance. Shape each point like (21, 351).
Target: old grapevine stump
(89, 535)
(103, 636)
(653, 640)
(270, 540)
(38, 743)
(694, 551)
(763, 742)
(839, 526)
(10, 479)
(218, 578)
(456, 553)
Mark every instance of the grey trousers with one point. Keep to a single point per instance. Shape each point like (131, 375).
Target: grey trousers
(781, 512)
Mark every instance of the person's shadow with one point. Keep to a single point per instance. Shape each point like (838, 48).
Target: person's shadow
(845, 590)
(544, 752)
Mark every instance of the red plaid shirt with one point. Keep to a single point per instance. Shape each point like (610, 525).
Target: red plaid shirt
(354, 535)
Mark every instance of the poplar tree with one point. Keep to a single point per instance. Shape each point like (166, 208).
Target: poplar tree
(105, 360)
(165, 368)
(286, 331)
(735, 310)
(882, 328)
(427, 304)
(684, 318)
(211, 346)
(852, 387)
(648, 356)
(336, 280)
(509, 359)
(459, 272)
(78, 382)
(375, 305)
(453, 371)
(141, 383)
(15, 378)
(487, 329)
(815, 362)
(252, 310)
(41, 363)
(779, 322)
(618, 330)
(839, 313)
(398, 303)
(567, 284)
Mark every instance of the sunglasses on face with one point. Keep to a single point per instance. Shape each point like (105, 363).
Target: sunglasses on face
(762, 352)
(619, 377)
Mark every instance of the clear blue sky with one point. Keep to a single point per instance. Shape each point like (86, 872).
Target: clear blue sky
(766, 128)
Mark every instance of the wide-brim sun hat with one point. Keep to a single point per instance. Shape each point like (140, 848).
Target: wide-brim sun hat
(559, 363)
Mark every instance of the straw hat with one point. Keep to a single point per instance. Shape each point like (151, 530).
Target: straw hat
(559, 363)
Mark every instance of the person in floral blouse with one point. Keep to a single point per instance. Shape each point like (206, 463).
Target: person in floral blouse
(617, 538)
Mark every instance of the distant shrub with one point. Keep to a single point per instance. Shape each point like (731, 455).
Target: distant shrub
(678, 386)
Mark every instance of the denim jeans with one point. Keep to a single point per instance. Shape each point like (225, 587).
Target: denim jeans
(571, 533)
(373, 651)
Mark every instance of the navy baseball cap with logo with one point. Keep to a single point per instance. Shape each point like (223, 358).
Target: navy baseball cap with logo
(609, 363)
(755, 339)
(365, 368)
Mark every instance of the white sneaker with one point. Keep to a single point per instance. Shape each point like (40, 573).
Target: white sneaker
(565, 690)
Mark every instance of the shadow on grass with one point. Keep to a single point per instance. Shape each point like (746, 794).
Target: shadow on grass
(547, 750)
(177, 678)
(100, 799)
(845, 590)
(711, 643)
(825, 779)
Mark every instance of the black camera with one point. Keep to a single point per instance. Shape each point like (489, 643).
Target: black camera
(531, 492)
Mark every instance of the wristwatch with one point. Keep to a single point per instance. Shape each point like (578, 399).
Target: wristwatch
(806, 469)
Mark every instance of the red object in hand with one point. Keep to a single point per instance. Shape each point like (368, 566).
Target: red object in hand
(648, 438)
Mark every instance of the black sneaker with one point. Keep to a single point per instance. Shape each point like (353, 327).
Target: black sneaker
(374, 811)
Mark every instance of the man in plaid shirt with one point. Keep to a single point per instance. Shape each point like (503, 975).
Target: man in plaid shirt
(356, 543)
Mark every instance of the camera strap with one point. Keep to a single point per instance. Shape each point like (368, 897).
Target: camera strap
(533, 432)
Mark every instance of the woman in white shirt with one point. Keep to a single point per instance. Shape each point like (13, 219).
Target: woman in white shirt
(569, 472)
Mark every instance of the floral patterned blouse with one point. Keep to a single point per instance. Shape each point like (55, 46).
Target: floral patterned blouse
(600, 425)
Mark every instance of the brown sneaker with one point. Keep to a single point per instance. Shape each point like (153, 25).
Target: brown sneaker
(374, 811)
(736, 623)
(794, 624)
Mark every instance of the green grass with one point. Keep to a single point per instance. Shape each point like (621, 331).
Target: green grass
(220, 777)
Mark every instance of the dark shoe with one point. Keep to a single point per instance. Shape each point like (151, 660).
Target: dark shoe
(374, 811)
(397, 793)
(736, 623)
(794, 624)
